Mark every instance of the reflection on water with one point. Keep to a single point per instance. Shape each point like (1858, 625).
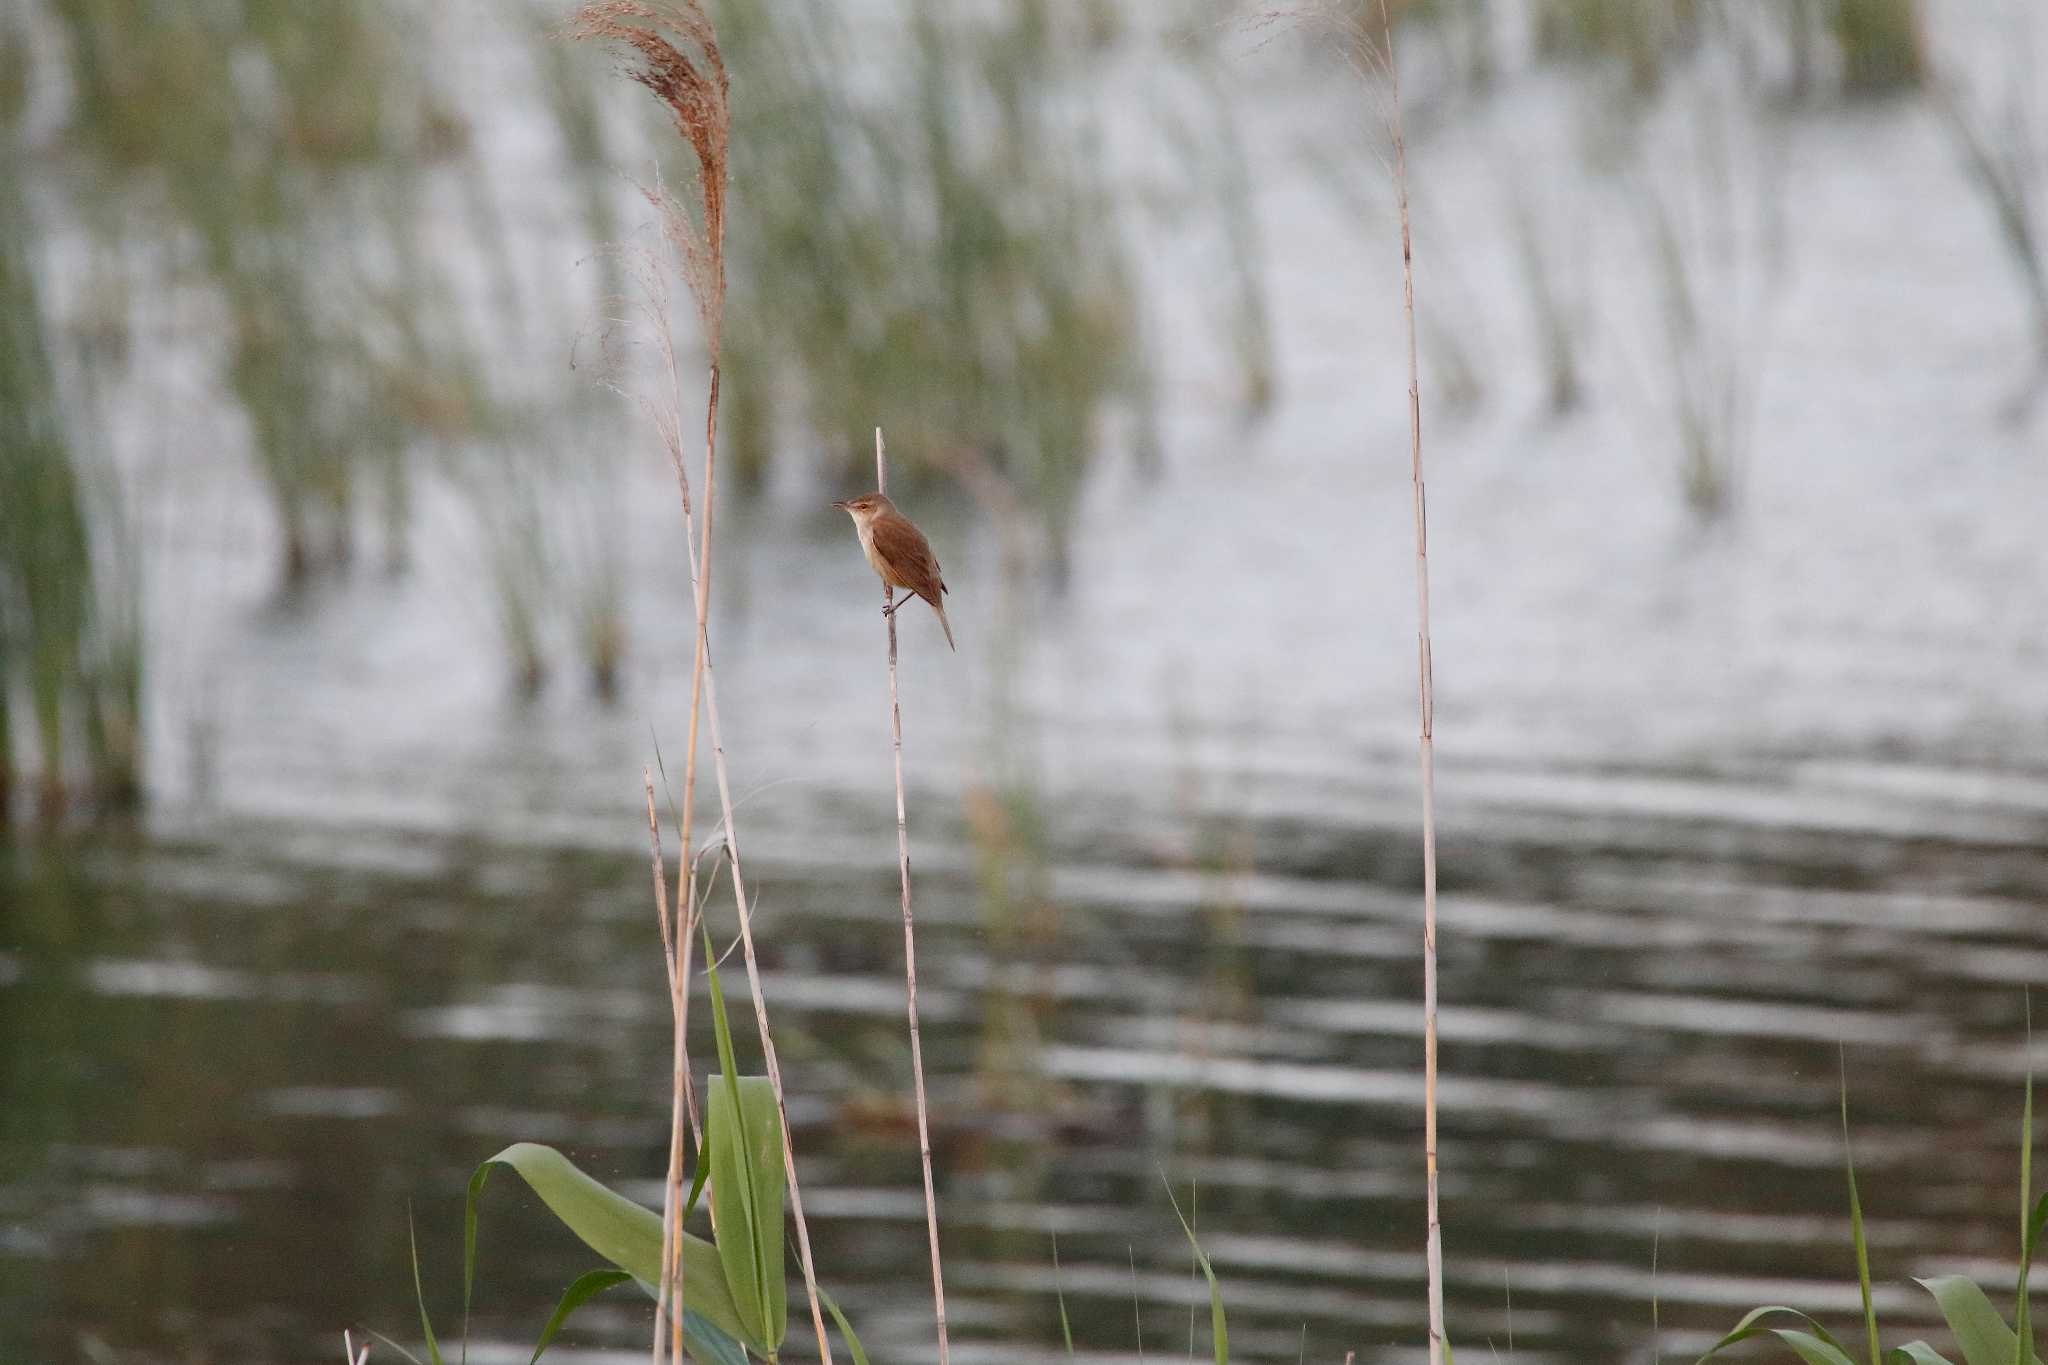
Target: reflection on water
(233, 1063)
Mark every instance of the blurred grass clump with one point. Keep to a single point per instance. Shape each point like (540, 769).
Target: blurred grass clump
(1873, 47)
(1642, 36)
(265, 148)
(70, 628)
(929, 232)
(935, 244)
(1880, 44)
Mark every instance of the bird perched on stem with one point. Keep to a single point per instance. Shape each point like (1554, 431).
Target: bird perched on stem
(898, 551)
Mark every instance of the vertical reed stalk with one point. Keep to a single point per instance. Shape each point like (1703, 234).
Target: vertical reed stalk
(739, 890)
(705, 685)
(1426, 702)
(686, 885)
(700, 579)
(669, 1296)
(924, 1139)
(695, 89)
(697, 554)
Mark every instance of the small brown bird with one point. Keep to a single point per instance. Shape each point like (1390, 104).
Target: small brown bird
(898, 551)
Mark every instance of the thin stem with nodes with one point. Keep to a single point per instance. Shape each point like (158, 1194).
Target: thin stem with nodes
(739, 890)
(924, 1139)
(1426, 703)
(677, 942)
(694, 86)
(695, 557)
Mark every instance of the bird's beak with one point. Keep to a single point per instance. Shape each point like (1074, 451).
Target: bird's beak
(841, 505)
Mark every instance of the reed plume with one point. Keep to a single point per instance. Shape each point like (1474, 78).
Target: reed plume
(696, 93)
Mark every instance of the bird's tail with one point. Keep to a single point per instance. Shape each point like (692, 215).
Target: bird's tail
(946, 626)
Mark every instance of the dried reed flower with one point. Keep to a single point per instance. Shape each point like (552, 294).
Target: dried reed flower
(698, 98)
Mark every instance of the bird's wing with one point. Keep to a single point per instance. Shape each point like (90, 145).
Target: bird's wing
(904, 548)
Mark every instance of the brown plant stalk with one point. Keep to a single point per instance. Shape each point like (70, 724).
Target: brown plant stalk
(677, 945)
(739, 888)
(1426, 704)
(697, 95)
(924, 1138)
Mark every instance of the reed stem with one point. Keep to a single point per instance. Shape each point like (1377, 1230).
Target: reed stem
(1426, 705)
(699, 561)
(924, 1140)
(669, 1295)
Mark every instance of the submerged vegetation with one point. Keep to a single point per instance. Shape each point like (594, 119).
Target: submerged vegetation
(1861, 47)
(335, 240)
(275, 146)
(945, 227)
(947, 245)
(70, 608)
(1710, 219)
(1996, 125)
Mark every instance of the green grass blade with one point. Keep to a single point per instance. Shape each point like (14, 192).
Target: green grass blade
(1059, 1294)
(2023, 1332)
(711, 1345)
(589, 1283)
(476, 1189)
(1981, 1335)
(624, 1233)
(1219, 1333)
(1811, 1348)
(746, 1198)
(1656, 1309)
(419, 1292)
(721, 1026)
(703, 1172)
(1065, 1329)
(860, 1355)
(2030, 1238)
(1856, 1228)
(1753, 1325)
(393, 1345)
(1915, 1353)
(745, 1124)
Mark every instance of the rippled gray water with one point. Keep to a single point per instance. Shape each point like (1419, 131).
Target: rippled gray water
(234, 1060)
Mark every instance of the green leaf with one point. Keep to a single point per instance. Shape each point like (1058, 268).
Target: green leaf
(477, 1178)
(624, 1233)
(860, 1356)
(589, 1283)
(1219, 1334)
(1856, 1228)
(1916, 1353)
(2023, 1336)
(1980, 1333)
(711, 1345)
(746, 1199)
(744, 1124)
(1753, 1325)
(2030, 1236)
(419, 1293)
(1066, 1332)
(703, 1170)
(1811, 1348)
(393, 1345)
